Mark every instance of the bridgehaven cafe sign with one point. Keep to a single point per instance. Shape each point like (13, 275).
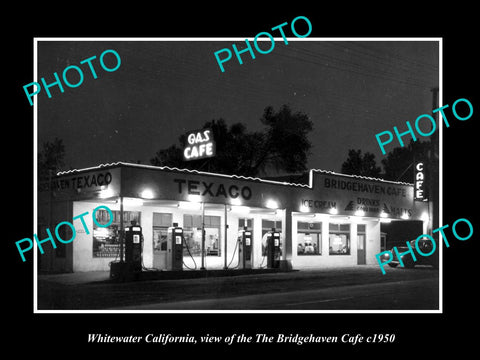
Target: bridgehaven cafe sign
(78, 182)
(364, 197)
(200, 145)
(103, 183)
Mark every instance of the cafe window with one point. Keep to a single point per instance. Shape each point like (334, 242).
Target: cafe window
(309, 238)
(161, 223)
(106, 240)
(192, 232)
(339, 239)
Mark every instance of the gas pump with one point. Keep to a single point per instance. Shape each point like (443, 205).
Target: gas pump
(133, 247)
(175, 248)
(244, 249)
(273, 249)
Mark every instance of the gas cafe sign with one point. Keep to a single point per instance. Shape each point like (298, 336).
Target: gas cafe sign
(200, 145)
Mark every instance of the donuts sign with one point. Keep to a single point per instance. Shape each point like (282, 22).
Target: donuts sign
(200, 145)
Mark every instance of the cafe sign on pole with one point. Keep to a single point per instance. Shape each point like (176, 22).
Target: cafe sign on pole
(200, 145)
(420, 190)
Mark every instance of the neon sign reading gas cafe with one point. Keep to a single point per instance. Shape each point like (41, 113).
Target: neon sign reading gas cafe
(200, 145)
(420, 191)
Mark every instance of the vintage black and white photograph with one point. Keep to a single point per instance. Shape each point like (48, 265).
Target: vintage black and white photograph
(259, 174)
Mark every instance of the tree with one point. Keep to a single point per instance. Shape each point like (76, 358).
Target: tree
(282, 145)
(285, 144)
(398, 163)
(50, 159)
(356, 164)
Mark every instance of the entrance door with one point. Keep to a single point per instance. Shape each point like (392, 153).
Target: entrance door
(212, 242)
(161, 223)
(361, 259)
(160, 248)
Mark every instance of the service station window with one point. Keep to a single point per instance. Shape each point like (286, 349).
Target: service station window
(339, 239)
(267, 226)
(309, 238)
(242, 222)
(192, 232)
(106, 240)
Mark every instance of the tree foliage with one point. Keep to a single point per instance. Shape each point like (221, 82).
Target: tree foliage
(398, 163)
(282, 145)
(358, 164)
(50, 158)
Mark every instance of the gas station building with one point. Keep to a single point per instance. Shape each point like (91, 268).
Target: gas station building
(332, 221)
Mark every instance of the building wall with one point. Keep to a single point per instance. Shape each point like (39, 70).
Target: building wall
(79, 254)
(51, 214)
(328, 194)
(83, 259)
(372, 243)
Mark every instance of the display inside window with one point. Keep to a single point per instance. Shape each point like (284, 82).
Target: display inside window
(309, 238)
(309, 244)
(339, 239)
(106, 240)
(212, 243)
(193, 235)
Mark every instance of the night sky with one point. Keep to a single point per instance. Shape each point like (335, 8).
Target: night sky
(350, 90)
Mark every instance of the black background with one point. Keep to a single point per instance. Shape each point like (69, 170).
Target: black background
(65, 335)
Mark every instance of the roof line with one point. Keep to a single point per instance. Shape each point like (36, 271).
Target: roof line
(144, 166)
(360, 177)
(309, 185)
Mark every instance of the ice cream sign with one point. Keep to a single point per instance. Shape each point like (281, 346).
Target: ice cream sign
(200, 145)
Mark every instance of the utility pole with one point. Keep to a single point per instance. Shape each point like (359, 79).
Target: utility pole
(203, 237)
(121, 231)
(433, 168)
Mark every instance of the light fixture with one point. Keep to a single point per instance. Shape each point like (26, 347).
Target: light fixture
(333, 211)
(404, 216)
(271, 204)
(383, 214)
(147, 194)
(106, 193)
(304, 209)
(236, 201)
(359, 213)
